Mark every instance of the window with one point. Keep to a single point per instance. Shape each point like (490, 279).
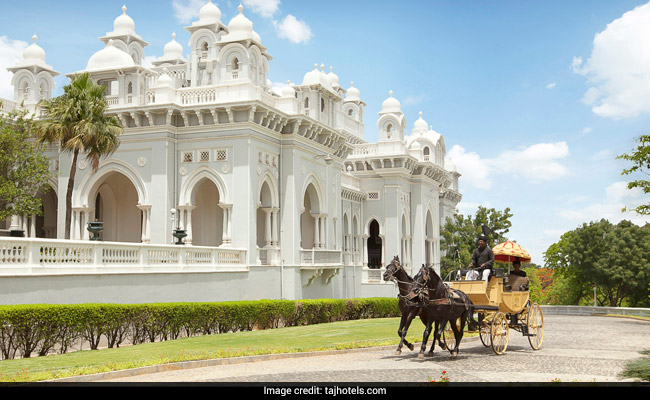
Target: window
(188, 157)
(235, 64)
(351, 112)
(222, 155)
(204, 156)
(322, 105)
(307, 102)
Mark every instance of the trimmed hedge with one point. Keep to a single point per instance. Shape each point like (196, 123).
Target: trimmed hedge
(28, 330)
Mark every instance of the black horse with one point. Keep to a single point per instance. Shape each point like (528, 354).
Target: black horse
(409, 311)
(440, 305)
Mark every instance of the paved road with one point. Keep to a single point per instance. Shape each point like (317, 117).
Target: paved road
(575, 349)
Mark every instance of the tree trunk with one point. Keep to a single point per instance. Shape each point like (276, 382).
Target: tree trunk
(68, 196)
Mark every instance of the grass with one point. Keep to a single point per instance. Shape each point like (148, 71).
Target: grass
(332, 336)
(640, 368)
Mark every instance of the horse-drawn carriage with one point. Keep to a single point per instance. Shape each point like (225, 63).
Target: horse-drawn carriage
(503, 304)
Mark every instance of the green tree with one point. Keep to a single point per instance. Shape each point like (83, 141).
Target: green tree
(76, 121)
(614, 258)
(24, 170)
(459, 235)
(640, 157)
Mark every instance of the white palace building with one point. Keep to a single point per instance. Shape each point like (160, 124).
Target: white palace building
(279, 193)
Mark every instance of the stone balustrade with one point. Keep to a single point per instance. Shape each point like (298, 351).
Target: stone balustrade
(26, 256)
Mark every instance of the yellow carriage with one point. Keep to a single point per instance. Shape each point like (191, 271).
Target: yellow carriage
(503, 305)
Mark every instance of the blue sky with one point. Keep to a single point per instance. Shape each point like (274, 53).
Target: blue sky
(535, 99)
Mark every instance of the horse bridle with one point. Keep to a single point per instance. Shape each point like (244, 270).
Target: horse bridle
(398, 266)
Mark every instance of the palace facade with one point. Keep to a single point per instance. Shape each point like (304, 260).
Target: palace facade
(279, 193)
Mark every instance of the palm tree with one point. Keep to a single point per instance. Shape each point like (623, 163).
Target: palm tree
(76, 121)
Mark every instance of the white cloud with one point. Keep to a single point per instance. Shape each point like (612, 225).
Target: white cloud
(474, 171)
(293, 29)
(11, 52)
(187, 11)
(618, 70)
(550, 85)
(263, 8)
(414, 100)
(586, 130)
(535, 163)
(617, 196)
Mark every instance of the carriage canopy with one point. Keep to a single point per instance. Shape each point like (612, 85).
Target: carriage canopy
(507, 252)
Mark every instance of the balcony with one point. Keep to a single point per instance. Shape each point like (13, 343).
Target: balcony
(33, 257)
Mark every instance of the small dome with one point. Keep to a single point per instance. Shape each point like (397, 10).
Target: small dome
(391, 105)
(110, 57)
(415, 145)
(316, 77)
(256, 37)
(124, 23)
(209, 13)
(34, 52)
(240, 23)
(173, 49)
(420, 126)
(352, 94)
(288, 90)
(450, 165)
(164, 79)
(334, 79)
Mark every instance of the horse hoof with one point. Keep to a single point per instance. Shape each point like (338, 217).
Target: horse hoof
(421, 356)
(430, 354)
(398, 353)
(410, 346)
(454, 355)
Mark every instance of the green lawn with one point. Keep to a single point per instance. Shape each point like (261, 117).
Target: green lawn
(337, 335)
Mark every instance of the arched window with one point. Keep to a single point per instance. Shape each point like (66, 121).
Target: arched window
(129, 88)
(322, 105)
(307, 102)
(235, 64)
(351, 112)
(389, 128)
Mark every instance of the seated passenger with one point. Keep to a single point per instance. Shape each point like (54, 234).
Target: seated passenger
(517, 271)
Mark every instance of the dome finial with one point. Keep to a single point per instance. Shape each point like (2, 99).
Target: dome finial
(322, 67)
(390, 93)
(240, 8)
(420, 114)
(124, 9)
(34, 37)
(174, 35)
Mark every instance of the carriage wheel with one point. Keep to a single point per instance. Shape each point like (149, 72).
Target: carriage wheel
(485, 335)
(535, 323)
(499, 333)
(448, 335)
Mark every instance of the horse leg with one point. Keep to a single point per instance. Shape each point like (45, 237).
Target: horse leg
(458, 333)
(439, 331)
(425, 338)
(404, 327)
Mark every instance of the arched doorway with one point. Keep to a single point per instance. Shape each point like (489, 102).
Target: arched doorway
(265, 216)
(116, 205)
(311, 221)
(207, 217)
(46, 223)
(374, 245)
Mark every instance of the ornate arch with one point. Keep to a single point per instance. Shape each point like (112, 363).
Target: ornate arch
(273, 187)
(91, 182)
(189, 185)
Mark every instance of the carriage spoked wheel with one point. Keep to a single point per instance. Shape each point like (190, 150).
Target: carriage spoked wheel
(448, 335)
(499, 333)
(535, 324)
(485, 334)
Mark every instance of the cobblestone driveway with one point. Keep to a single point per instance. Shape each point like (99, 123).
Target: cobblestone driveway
(575, 349)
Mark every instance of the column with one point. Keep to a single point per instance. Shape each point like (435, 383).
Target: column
(32, 229)
(275, 228)
(185, 221)
(146, 221)
(267, 227)
(365, 250)
(86, 218)
(323, 237)
(316, 230)
(227, 224)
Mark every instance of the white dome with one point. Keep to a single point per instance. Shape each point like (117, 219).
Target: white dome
(334, 79)
(124, 23)
(173, 49)
(391, 105)
(240, 23)
(450, 165)
(420, 126)
(34, 52)
(316, 77)
(288, 90)
(110, 57)
(164, 79)
(256, 37)
(209, 13)
(352, 94)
